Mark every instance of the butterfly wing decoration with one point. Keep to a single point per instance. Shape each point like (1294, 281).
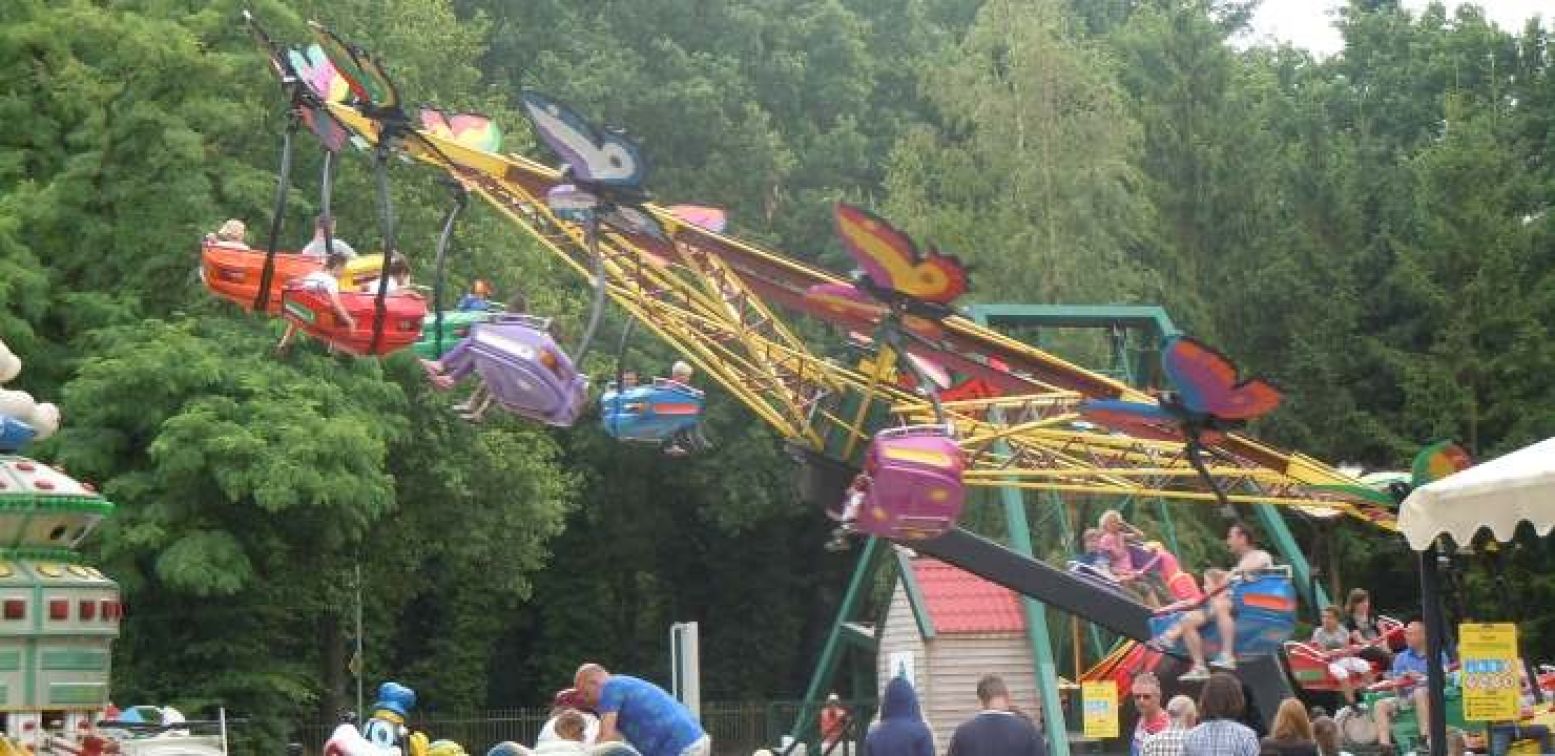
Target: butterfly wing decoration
(315, 70)
(714, 219)
(324, 126)
(1206, 382)
(471, 130)
(844, 302)
(340, 56)
(373, 88)
(892, 262)
(572, 203)
(1137, 419)
(1438, 461)
(597, 156)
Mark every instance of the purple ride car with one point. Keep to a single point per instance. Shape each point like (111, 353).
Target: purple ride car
(915, 489)
(527, 373)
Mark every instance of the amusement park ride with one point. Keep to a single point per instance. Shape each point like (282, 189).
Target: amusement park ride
(1034, 423)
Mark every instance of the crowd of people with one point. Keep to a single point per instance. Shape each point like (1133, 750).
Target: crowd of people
(602, 708)
(1353, 634)
(999, 728)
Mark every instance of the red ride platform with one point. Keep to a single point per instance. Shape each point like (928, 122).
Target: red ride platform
(311, 312)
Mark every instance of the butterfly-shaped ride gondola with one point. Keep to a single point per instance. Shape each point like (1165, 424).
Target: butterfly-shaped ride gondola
(1205, 401)
(912, 486)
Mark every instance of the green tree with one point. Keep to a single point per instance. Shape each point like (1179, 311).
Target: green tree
(1030, 179)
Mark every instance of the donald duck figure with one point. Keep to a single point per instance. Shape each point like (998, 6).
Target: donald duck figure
(384, 733)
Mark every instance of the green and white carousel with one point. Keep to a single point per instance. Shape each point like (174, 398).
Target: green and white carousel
(58, 615)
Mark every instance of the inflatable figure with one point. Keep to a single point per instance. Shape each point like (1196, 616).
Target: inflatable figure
(445, 748)
(384, 733)
(22, 418)
(386, 727)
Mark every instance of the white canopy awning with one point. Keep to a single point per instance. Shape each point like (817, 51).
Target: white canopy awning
(1497, 495)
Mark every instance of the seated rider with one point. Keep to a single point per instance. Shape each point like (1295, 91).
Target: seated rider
(1098, 560)
(1334, 639)
(569, 700)
(477, 299)
(316, 248)
(231, 235)
(326, 280)
(1218, 609)
(399, 277)
(852, 501)
(1115, 532)
(684, 441)
(459, 362)
(1364, 628)
(1410, 670)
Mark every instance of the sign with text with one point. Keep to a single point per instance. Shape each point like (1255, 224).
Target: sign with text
(1491, 685)
(1100, 704)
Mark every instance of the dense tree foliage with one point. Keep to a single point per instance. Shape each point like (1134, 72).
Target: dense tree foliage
(1373, 229)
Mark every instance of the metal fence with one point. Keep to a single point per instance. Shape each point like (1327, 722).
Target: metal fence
(737, 728)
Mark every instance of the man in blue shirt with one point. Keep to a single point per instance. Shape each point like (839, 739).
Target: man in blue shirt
(1410, 671)
(641, 713)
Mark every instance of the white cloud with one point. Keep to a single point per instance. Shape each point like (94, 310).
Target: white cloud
(1310, 23)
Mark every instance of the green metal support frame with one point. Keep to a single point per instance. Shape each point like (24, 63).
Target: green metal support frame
(1037, 635)
(831, 653)
(1154, 320)
(1150, 319)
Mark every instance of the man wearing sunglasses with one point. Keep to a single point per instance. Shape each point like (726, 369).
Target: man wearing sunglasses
(1152, 717)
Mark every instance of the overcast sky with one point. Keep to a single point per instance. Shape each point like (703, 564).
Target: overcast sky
(1309, 23)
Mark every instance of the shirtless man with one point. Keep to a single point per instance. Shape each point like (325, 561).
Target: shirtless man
(1250, 558)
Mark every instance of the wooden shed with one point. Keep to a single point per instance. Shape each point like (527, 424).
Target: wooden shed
(944, 629)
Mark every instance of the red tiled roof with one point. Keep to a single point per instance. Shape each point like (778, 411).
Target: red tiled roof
(962, 603)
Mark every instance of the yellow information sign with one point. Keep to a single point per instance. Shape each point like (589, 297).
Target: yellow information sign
(1491, 685)
(1100, 704)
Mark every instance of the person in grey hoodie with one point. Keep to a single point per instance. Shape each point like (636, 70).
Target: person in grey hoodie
(901, 730)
